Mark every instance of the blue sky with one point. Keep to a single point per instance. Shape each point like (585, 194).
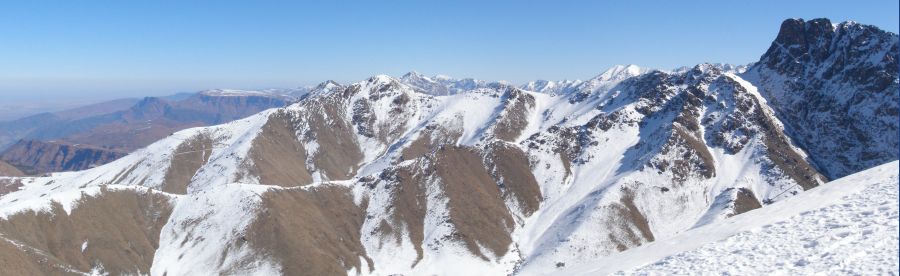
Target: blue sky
(89, 50)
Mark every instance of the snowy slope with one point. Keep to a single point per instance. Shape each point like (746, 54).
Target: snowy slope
(442, 85)
(289, 94)
(848, 226)
(628, 157)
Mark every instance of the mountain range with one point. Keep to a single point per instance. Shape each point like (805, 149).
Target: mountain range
(94, 135)
(435, 175)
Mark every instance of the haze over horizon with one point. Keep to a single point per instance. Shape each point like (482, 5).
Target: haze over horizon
(68, 54)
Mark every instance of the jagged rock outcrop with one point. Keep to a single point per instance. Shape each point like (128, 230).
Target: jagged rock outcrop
(835, 87)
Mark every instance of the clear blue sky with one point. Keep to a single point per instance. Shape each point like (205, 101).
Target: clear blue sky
(110, 49)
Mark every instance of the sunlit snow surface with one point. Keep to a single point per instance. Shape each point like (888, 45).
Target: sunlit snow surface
(223, 197)
(846, 227)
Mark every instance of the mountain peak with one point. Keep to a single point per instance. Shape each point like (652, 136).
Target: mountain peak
(437, 85)
(381, 79)
(620, 72)
(796, 31)
(327, 84)
(327, 87)
(852, 65)
(412, 74)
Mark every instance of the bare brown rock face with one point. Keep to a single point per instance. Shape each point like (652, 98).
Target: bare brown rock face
(17, 259)
(339, 154)
(474, 201)
(54, 240)
(36, 157)
(515, 116)
(9, 185)
(512, 172)
(187, 159)
(408, 207)
(745, 201)
(9, 170)
(277, 157)
(630, 218)
(311, 232)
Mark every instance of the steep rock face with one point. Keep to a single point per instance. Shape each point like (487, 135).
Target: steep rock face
(36, 157)
(835, 88)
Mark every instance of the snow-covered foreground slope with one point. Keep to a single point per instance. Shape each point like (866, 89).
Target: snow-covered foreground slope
(848, 226)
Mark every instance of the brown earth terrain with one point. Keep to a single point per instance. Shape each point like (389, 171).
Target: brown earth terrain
(82, 239)
(9, 170)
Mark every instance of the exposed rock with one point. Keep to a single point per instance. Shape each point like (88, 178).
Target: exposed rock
(475, 203)
(36, 157)
(408, 208)
(186, 160)
(277, 157)
(631, 218)
(512, 173)
(515, 114)
(338, 155)
(9, 170)
(836, 89)
(745, 201)
(118, 230)
(311, 232)
(9, 185)
(385, 177)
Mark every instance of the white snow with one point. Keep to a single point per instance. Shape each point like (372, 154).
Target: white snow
(284, 94)
(848, 226)
(201, 235)
(572, 224)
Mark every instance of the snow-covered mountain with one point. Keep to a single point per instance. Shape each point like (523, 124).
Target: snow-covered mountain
(442, 85)
(288, 95)
(846, 227)
(835, 87)
(422, 175)
(551, 87)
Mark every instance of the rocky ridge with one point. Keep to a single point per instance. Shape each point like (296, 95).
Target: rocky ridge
(385, 176)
